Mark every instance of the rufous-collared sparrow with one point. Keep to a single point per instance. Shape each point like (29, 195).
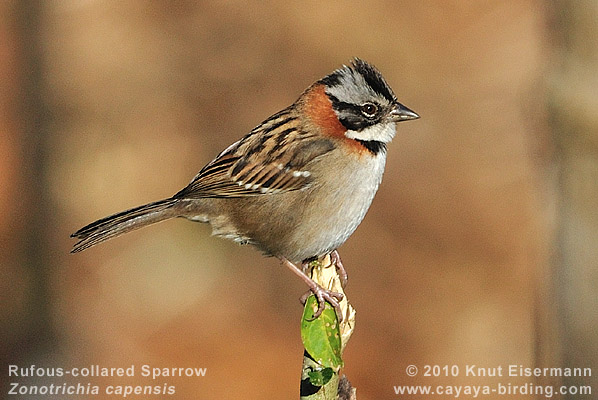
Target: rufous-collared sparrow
(295, 187)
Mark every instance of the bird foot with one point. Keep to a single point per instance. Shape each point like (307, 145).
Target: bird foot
(335, 259)
(323, 296)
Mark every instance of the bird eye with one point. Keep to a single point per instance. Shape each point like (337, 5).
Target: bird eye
(369, 109)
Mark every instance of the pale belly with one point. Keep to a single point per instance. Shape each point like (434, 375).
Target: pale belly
(304, 223)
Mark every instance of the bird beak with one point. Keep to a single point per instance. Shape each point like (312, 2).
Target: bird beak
(401, 113)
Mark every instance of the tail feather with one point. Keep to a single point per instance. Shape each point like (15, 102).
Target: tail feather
(122, 222)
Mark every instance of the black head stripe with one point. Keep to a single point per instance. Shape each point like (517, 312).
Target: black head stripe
(374, 78)
(342, 106)
(332, 79)
(350, 115)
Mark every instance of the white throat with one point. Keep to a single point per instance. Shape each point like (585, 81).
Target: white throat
(379, 132)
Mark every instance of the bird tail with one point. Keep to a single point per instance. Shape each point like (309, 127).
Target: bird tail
(123, 222)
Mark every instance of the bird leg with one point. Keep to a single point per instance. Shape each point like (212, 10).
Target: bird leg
(323, 295)
(335, 259)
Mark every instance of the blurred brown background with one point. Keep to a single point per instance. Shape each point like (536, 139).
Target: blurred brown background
(480, 248)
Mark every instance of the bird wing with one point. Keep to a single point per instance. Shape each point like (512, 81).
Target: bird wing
(266, 161)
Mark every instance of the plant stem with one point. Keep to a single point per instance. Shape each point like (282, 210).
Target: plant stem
(326, 275)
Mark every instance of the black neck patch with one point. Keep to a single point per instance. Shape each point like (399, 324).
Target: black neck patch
(373, 146)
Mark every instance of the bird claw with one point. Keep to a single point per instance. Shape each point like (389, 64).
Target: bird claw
(323, 296)
(335, 259)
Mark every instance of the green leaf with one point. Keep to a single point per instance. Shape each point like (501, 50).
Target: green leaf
(321, 336)
(320, 377)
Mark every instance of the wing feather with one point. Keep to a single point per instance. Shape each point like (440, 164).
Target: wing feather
(273, 158)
